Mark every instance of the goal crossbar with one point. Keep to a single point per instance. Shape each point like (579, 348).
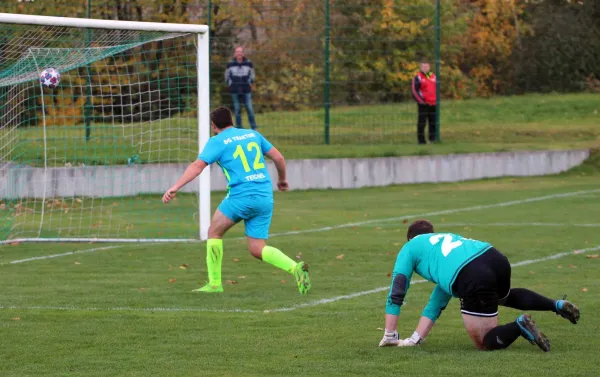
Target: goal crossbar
(23, 19)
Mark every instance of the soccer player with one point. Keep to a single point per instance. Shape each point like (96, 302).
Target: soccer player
(239, 153)
(479, 275)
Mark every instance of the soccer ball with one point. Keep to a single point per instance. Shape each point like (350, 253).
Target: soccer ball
(50, 78)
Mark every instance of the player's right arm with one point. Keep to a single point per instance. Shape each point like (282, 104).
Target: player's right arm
(211, 153)
(277, 158)
(403, 270)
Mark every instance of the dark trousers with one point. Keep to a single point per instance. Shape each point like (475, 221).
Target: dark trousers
(426, 113)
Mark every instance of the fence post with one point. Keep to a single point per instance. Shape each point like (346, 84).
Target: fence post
(437, 70)
(326, 103)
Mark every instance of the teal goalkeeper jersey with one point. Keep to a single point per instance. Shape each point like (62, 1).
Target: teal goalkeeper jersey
(438, 257)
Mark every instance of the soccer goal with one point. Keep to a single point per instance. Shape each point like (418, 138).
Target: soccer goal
(89, 158)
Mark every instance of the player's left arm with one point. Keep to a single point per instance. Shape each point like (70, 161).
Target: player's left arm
(437, 303)
(278, 160)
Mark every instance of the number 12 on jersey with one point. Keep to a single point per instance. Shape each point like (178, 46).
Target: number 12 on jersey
(239, 152)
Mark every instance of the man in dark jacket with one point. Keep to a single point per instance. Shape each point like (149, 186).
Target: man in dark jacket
(240, 78)
(423, 91)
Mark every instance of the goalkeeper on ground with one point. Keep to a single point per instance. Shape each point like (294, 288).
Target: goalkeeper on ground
(239, 153)
(479, 275)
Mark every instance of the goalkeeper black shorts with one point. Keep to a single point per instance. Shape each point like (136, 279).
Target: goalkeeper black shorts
(482, 282)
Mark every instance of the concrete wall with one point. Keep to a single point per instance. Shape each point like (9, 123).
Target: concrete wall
(105, 181)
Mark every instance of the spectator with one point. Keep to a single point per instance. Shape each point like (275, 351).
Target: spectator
(240, 78)
(424, 92)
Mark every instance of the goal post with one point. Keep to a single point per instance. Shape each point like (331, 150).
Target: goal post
(143, 88)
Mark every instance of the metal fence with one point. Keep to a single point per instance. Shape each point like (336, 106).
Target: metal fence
(340, 72)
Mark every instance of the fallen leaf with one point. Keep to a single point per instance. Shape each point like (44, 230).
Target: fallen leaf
(142, 289)
(380, 329)
(77, 263)
(559, 266)
(354, 227)
(299, 253)
(532, 272)
(378, 228)
(170, 268)
(298, 257)
(396, 243)
(236, 260)
(242, 277)
(389, 274)
(184, 266)
(341, 256)
(443, 220)
(172, 280)
(584, 289)
(15, 243)
(283, 282)
(16, 318)
(572, 266)
(231, 282)
(416, 194)
(593, 256)
(78, 200)
(404, 221)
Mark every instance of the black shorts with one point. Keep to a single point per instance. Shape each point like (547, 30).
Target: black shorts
(482, 282)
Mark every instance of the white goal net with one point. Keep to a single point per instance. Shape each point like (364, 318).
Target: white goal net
(88, 155)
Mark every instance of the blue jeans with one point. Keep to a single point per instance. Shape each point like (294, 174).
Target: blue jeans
(247, 98)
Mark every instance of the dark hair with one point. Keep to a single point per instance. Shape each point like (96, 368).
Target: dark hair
(221, 117)
(419, 227)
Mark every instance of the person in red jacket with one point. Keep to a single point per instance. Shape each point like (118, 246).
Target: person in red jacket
(423, 91)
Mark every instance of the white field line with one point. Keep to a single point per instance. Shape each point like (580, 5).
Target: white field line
(347, 225)
(532, 224)
(380, 289)
(438, 213)
(283, 309)
(18, 261)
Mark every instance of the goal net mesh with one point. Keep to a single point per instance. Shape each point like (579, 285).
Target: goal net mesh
(90, 158)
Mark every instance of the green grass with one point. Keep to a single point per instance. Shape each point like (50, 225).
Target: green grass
(331, 339)
(529, 122)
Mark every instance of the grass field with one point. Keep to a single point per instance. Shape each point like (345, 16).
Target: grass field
(480, 125)
(127, 310)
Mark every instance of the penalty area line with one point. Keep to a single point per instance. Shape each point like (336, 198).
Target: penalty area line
(282, 309)
(341, 226)
(380, 289)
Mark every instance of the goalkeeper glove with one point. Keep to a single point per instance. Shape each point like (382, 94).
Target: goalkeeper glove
(390, 339)
(414, 340)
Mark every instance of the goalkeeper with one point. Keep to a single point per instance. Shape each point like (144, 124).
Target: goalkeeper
(479, 275)
(239, 153)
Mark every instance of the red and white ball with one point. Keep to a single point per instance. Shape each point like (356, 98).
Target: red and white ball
(50, 78)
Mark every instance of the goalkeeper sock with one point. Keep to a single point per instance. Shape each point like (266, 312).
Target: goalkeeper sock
(278, 259)
(214, 257)
(501, 336)
(524, 299)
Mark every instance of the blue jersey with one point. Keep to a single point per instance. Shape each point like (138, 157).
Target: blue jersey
(240, 154)
(438, 257)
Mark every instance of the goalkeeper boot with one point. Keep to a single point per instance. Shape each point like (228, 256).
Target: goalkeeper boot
(210, 289)
(302, 278)
(530, 332)
(568, 310)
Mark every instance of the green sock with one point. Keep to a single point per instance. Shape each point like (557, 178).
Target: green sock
(214, 257)
(278, 259)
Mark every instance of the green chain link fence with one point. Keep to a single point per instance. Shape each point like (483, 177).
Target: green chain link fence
(339, 72)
